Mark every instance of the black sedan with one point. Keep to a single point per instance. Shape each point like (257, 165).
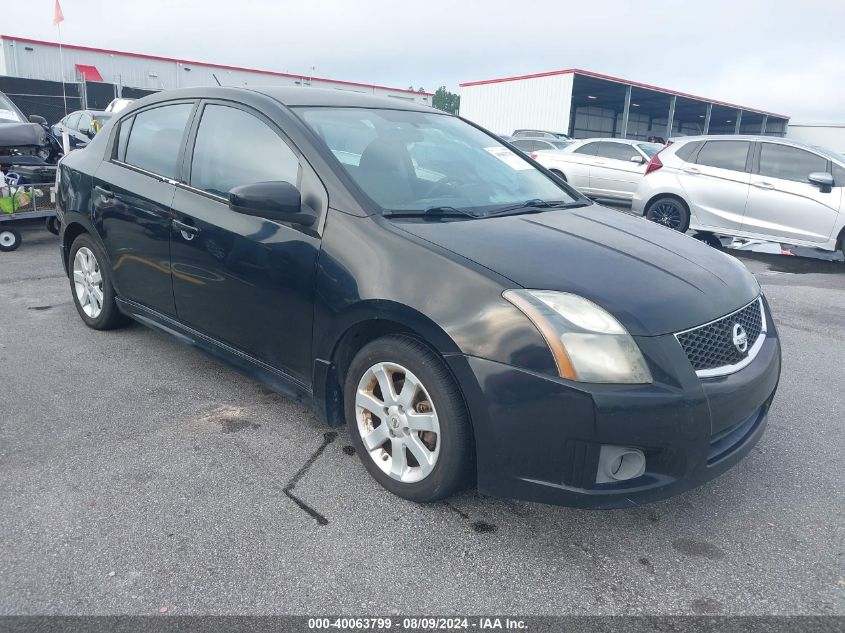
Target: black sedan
(469, 316)
(81, 126)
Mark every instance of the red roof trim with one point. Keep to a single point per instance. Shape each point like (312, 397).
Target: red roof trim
(578, 71)
(89, 73)
(223, 66)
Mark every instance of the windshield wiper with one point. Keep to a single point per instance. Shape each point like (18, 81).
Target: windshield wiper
(430, 212)
(535, 205)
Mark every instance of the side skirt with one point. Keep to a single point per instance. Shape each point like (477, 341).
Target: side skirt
(277, 380)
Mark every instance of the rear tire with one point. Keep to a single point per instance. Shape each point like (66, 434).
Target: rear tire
(10, 239)
(669, 212)
(52, 225)
(91, 285)
(709, 239)
(415, 441)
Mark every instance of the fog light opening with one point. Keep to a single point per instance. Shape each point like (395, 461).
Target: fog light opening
(619, 463)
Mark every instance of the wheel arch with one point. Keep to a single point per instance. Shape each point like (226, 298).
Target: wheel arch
(666, 194)
(367, 322)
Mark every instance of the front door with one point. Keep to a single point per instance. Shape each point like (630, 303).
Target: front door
(243, 280)
(783, 204)
(132, 194)
(716, 183)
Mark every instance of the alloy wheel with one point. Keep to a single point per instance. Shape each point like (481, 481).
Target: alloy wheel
(88, 282)
(668, 214)
(397, 422)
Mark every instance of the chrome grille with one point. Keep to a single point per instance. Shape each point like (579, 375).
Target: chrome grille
(710, 347)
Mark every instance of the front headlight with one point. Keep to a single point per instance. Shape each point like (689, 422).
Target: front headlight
(588, 343)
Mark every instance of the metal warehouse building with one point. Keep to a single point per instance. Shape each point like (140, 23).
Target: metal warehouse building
(35, 59)
(584, 104)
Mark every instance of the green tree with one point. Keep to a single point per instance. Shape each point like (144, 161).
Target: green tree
(446, 101)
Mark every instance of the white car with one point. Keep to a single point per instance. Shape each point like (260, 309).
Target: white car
(603, 168)
(755, 187)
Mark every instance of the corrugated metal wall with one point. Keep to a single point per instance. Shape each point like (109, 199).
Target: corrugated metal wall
(540, 103)
(41, 61)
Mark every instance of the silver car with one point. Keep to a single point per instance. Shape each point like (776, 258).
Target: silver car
(602, 168)
(756, 187)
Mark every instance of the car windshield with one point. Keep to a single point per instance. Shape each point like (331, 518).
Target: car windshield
(8, 112)
(650, 149)
(408, 161)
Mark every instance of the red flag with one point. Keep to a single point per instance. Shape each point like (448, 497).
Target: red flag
(58, 16)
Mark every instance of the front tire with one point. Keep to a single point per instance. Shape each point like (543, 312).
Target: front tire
(91, 285)
(407, 419)
(559, 174)
(669, 212)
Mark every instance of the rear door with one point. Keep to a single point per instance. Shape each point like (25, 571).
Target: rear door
(244, 280)
(716, 181)
(131, 199)
(613, 174)
(577, 166)
(782, 203)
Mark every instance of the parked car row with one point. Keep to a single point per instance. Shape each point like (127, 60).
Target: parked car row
(755, 187)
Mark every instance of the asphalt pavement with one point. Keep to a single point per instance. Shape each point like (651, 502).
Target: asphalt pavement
(138, 474)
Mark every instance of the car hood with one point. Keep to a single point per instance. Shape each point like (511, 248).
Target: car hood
(21, 134)
(653, 279)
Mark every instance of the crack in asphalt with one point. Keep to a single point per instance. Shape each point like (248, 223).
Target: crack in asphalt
(328, 438)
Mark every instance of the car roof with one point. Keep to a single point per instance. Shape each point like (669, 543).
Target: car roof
(752, 137)
(626, 141)
(290, 96)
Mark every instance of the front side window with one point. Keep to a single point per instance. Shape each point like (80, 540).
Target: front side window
(650, 149)
(156, 138)
(413, 161)
(616, 151)
(724, 154)
(235, 148)
(789, 163)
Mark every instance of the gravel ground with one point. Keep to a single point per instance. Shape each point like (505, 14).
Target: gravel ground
(138, 473)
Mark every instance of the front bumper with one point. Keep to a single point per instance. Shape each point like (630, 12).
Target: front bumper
(538, 438)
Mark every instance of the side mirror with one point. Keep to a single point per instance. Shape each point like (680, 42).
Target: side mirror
(40, 120)
(637, 159)
(822, 180)
(275, 200)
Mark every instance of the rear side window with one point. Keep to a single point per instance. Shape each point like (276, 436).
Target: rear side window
(235, 148)
(616, 151)
(724, 154)
(589, 148)
(524, 144)
(156, 138)
(789, 163)
(685, 151)
(123, 139)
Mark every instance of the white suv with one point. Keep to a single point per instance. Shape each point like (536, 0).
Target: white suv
(756, 187)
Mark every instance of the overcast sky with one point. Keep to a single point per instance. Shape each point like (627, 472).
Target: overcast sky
(780, 55)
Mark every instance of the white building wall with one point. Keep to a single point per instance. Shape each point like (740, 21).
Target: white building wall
(538, 103)
(41, 61)
(829, 136)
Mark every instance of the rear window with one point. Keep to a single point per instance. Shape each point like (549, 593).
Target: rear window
(724, 154)
(156, 138)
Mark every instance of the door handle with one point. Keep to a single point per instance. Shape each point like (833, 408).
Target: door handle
(104, 191)
(692, 170)
(598, 162)
(188, 231)
(763, 185)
